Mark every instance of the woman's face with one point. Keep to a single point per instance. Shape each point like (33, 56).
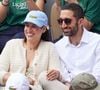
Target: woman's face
(33, 32)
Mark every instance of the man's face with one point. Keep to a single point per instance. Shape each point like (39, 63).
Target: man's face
(68, 23)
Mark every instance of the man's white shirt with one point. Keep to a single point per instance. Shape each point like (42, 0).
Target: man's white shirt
(85, 57)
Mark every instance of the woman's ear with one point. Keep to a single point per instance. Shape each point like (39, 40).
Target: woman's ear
(44, 28)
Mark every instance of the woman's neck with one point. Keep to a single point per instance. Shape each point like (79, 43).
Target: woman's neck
(33, 45)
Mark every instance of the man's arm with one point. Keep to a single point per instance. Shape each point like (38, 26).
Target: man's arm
(41, 4)
(38, 5)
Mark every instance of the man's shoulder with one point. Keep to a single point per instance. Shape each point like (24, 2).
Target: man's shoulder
(93, 38)
(95, 35)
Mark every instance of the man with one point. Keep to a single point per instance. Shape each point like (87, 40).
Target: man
(73, 49)
(79, 49)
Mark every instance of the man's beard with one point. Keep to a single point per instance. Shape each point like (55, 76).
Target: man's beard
(70, 32)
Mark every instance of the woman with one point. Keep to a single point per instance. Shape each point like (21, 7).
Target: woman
(32, 55)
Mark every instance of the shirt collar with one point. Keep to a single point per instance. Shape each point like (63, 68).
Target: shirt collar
(85, 38)
(65, 38)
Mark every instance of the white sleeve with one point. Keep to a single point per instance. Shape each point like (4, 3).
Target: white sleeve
(4, 61)
(96, 68)
(64, 72)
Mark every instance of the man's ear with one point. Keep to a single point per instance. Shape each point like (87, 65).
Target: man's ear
(81, 21)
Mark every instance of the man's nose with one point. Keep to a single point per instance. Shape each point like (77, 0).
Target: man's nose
(63, 24)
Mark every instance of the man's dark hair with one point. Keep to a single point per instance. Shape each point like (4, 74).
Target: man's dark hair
(76, 8)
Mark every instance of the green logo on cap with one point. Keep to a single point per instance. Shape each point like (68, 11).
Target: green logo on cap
(32, 16)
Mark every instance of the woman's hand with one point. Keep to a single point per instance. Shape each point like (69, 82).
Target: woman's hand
(53, 74)
(31, 81)
(6, 76)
